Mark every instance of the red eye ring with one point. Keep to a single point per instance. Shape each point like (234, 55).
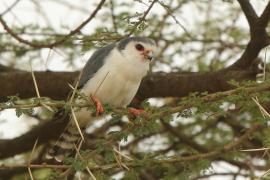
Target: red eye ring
(139, 47)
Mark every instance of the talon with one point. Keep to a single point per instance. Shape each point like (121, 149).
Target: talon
(136, 112)
(98, 105)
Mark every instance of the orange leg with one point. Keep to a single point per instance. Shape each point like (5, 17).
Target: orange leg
(98, 104)
(136, 112)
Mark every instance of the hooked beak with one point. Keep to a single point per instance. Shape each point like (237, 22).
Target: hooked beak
(148, 55)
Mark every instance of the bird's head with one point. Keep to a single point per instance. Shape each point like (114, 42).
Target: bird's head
(138, 48)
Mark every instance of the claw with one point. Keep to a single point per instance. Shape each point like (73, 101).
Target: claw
(98, 104)
(136, 112)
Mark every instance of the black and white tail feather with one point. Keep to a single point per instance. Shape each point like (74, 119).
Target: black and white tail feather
(65, 145)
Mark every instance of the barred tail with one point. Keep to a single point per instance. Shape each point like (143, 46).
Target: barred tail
(65, 145)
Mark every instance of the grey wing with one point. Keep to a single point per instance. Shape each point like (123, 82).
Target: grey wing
(95, 62)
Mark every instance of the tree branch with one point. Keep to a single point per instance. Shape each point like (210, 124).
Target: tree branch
(56, 43)
(249, 12)
(55, 84)
(259, 37)
(217, 152)
(10, 7)
(173, 159)
(44, 132)
(264, 19)
(142, 18)
(52, 129)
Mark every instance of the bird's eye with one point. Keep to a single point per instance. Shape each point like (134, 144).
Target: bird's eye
(139, 47)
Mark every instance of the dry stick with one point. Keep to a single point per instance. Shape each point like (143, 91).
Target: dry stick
(29, 161)
(80, 156)
(264, 113)
(122, 154)
(76, 123)
(74, 115)
(258, 149)
(37, 90)
(118, 161)
(119, 158)
(101, 83)
(259, 105)
(35, 82)
(56, 43)
(262, 109)
(72, 110)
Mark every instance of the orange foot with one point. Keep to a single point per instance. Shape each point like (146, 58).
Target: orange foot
(98, 104)
(136, 112)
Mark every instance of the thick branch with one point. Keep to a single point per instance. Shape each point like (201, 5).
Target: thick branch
(55, 84)
(249, 12)
(43, 133)
(50, 84)
(265, 17)
(259, 37)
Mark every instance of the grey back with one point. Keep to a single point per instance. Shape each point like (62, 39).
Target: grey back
(95, 63)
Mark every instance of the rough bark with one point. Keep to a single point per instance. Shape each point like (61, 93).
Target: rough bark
(55, 84)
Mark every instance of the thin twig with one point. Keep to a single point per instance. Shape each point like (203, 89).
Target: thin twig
(262, 109)
(175, 19)
(37, 90)
(258, 149)
(35, 82)
(119, 158)
(101, 83)
(265, 174)
(10, 7)
(29, 160)
(56, 43)
(122, 154)
(142, 18)
(80, 156)
(76, 123)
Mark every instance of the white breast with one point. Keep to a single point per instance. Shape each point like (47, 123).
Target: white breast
(117, 81)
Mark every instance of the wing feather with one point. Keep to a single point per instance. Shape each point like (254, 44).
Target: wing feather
(95, 62)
